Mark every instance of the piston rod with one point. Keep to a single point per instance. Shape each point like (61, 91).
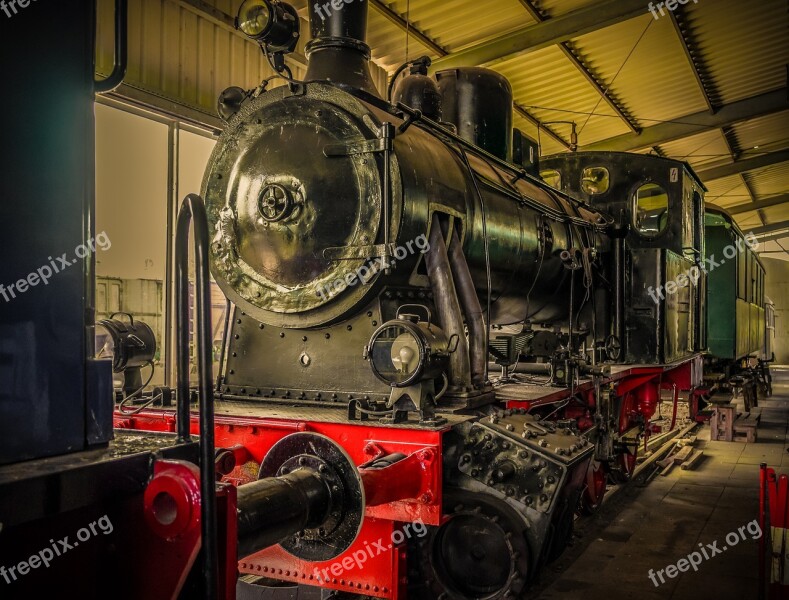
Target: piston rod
(273, 509)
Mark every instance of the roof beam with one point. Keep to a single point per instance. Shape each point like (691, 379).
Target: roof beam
(744, 165)
(773, 236)
(405, 25)
(668, 131)
(543, 35)
(759, 204)
(783, 225)
(568, 52)
(749, 189)
(689, 57)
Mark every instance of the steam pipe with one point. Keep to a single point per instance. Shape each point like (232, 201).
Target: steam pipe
(467, 293)
(619, 293)
(447, 305)
(526, 368)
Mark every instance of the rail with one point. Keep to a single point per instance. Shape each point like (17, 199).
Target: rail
(193, 212)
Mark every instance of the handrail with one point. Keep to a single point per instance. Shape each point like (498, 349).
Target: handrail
(121, 58)
(193, 212)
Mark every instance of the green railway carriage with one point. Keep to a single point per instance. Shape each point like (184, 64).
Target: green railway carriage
(735, 288)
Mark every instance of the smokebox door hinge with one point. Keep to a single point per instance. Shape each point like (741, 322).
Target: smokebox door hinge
(358, 252)
(358, 147)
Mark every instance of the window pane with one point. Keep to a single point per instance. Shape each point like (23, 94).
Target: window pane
(595, 180)
(194, 152)
(131, 209)
(552, 178)
(650, 209)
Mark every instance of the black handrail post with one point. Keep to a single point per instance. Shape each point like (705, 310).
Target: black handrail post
(121, 60)
(193, 211)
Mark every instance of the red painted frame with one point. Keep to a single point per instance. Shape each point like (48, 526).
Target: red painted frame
(409, 491)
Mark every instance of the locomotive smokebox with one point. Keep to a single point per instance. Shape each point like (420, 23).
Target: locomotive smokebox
(479, 102)
(338, 51)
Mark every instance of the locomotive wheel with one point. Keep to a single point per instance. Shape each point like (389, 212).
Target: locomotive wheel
(562, 528)
(596, 479)
(479, 553)
(625, 463)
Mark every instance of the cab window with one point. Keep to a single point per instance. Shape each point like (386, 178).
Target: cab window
(595, 180)
(553, 178)
(650, 214)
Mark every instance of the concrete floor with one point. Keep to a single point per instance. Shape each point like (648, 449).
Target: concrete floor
(655, 525)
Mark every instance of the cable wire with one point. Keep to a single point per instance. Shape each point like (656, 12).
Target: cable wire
(122, 405)
(608, 87)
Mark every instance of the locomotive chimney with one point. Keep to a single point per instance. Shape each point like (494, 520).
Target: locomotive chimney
(338, 51)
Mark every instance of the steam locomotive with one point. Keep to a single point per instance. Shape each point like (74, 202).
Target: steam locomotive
(434, 359)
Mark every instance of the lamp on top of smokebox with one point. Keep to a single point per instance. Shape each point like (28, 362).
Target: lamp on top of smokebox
(132, 346)
(274, 25)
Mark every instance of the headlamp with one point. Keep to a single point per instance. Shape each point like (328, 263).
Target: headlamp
(405, 352)
(271, 23)
(131, 345)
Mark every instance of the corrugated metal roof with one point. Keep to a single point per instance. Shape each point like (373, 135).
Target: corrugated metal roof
(769, 181)
(764, 134)
(456, 24)
(727, 192)
(643, 61)
(555, 8)
(187, 51)
(776, 214)
(699, 150)
(546, 84)
(743, 45)
(748, 221)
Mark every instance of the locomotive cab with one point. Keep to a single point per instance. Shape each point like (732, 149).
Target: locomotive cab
(657, 267)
